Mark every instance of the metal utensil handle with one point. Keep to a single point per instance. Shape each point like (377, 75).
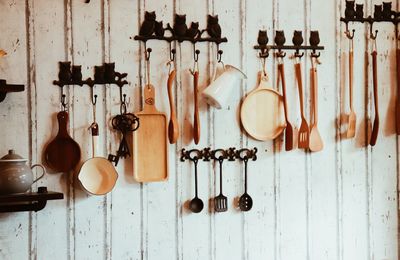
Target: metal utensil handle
(375, 82)
(220, 175)
(245, 174)
(195, 161)
(43, 171)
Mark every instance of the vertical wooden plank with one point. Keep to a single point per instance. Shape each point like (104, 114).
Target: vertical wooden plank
(229, 225)
(355, 169)
(293, 169)
(88, 51)
(195, 238)
(160, 196)
(323, 165)
(14, 112)
(383, 208)
(54, 238)
(126, 205)
(263, 175)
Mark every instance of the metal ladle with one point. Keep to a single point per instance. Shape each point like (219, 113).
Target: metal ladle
(196, 204)
(245, 201)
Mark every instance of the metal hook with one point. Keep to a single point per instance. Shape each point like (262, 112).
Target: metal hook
(219, 55)
(298, 55)
(264, 69)
(172, 52)
(349, 35)
(63, 103)
(371, 35)
(94, 101)
(195, 54)
(147, 53)
(315, 54)
(264, 53)
(280, 54)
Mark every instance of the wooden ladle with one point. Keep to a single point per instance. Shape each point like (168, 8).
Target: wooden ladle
(63, 153)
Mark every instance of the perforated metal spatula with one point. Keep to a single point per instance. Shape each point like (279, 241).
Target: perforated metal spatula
(221, 201)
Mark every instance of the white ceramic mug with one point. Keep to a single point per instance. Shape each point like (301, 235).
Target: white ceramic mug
(218, 93)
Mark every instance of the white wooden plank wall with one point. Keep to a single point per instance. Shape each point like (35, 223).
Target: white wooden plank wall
(340, 203)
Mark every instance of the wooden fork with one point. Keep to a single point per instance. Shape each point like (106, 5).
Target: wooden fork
(304, 131)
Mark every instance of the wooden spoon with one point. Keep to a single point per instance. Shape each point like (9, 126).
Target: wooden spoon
(316, 143)
(351, 131)
(63, 153)
(375, 128)
(398, 92)
(289, 128)
(196, 121)
(173, 126)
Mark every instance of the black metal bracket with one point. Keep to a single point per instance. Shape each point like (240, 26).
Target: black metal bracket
(104, 74)
(280, 44)
(34, 201)
(230, 154)
(355, 13)
(6, 88)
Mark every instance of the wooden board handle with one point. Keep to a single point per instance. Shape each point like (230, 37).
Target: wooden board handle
(196, 121)
(149, 99)
(62, 118)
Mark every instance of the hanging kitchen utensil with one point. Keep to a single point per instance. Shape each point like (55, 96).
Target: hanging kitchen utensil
(304, 132)
(245, 201)
(316, 143)
(351, 131)
(196, 119)
(150, 141)
(62, 154)
(262, 111)
(97, 175)
(375, 127)
(173, 126)
(196, 204)
(220, 201)
(289, 127)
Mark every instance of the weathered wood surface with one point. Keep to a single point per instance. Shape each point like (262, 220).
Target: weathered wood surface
(340, 203)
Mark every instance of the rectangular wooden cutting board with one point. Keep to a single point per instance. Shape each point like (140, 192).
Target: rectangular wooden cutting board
(150, 142)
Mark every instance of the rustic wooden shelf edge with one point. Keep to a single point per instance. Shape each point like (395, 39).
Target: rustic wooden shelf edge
(34, 201)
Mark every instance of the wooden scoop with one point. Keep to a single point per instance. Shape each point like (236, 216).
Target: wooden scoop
(150, 142)
(173, 126)
(316, 143)
(63, 153)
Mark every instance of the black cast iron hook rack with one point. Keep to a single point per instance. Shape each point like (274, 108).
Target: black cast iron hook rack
(355, 13)
(230, 154)
(151, 29)
(280, 40)
(7, 88)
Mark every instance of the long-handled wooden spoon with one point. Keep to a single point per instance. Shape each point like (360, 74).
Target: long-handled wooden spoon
(173, 126)
(289, 128)
(316, 143)
(375, 128)
(196, 121)
(351, 131)
(398, 92)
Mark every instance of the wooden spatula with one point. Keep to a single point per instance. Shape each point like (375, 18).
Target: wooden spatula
(304, 132)
(316, 143)
(289, 127)
(173, 126)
